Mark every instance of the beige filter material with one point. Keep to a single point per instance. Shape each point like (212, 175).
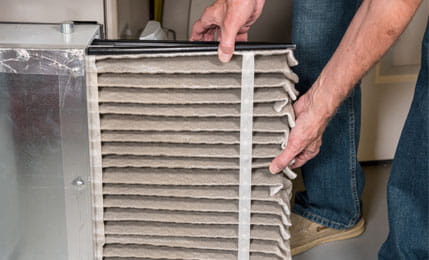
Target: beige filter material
(197, 243)
(194, 124)
(169, 133)
(153, 252)
(189, 137)
(193, 81)
(188, 150)
(195, 110)
(177, 162)
(268, 233)
(197, 177)
(278, 207)
(150, 215)
(194, 65)
(185, 96)
(208, 192)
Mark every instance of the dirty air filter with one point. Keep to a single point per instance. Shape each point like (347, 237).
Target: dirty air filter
(180, 143)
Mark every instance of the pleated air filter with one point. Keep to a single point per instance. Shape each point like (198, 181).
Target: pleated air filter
(181, 145)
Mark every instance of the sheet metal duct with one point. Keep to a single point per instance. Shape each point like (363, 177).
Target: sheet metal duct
(45, 197)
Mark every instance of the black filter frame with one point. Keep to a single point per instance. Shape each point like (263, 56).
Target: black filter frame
(118, 47)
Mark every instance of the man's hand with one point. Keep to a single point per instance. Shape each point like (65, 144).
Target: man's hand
(230, 20)
(305, 138)
(376, 25)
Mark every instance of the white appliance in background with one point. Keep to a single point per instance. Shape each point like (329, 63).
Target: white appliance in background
(153, 31)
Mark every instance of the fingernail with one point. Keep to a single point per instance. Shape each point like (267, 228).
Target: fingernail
(274, 169)
(223, 57)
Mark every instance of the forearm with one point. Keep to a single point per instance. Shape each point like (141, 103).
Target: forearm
(377, 24)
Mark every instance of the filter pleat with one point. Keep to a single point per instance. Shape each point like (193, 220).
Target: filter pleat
(194, 65)
(197, 177)
(188, 150)
(189, 110)
(259, 192)
(185, 96)
(198, 243)
(184, 81)
(192, 124)
(177, 162)
(187, 137)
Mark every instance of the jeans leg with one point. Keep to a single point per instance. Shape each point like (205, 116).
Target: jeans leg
(334, 179)
(407, 192)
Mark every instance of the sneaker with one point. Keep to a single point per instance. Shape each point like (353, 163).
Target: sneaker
(306, 234)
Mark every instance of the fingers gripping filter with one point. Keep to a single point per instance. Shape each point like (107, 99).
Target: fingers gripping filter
(181, 148)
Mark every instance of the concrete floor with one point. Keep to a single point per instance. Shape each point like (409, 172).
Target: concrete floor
(375, 213)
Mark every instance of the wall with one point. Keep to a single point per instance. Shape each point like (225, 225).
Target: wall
(387, 92)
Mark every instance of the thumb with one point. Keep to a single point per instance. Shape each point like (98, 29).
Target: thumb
(229, 30)
(284, 159)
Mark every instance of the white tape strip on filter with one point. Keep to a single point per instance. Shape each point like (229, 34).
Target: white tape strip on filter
(246, 133)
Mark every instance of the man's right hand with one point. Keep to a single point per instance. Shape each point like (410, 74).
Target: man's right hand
(230, 20)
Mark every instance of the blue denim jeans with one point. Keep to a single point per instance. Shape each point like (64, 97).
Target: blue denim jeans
(407, 191)
(334, 180)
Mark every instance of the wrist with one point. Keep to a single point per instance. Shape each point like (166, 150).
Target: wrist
(323, 101)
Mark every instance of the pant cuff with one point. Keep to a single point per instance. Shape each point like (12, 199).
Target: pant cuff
(306, 213)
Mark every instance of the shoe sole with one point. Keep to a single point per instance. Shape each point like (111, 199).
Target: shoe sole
(357, 230)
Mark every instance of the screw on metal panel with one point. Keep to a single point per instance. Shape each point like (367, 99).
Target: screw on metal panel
(67, 27)
(78, 182)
